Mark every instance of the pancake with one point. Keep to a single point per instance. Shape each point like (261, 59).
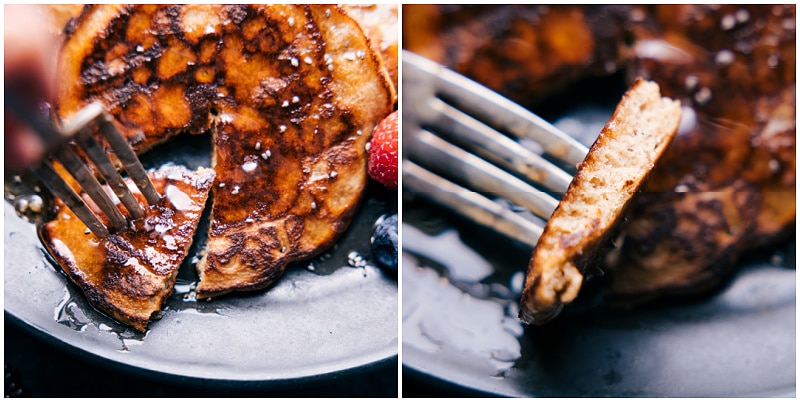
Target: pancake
(290, 93)
(291, 166)
(728, 184)
(130, 274)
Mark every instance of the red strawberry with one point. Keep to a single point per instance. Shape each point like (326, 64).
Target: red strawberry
(383, 152)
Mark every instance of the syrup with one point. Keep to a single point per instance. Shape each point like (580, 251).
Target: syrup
(75, 313)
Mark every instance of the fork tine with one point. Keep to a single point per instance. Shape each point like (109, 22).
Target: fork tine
(496, 109)
(78, 129)
(85, 178)
(47, 175)
(95, 112)
(92, 149)
(456, 128)
(470, 204)
(432, 152)
(492, 145)
(128, 158)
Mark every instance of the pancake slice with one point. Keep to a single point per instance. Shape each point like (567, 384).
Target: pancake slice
(130, 274)
(617, 165)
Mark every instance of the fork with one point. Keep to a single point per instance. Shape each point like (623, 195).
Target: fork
(79, 132)
(461, 139)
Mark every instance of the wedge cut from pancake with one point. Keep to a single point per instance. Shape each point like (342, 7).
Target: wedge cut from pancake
(130, 274)
(621, 158)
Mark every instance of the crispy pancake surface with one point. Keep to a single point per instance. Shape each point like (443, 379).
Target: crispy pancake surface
(291, 93)
(161, 70)
(292, 166)
(130, 274)
(726, 185)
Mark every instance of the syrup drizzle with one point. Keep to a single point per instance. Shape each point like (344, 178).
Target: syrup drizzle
(454, 309)
(75, 313)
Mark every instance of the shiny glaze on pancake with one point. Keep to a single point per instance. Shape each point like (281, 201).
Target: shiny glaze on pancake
(130, 274)
(291, 94)
(292, 168)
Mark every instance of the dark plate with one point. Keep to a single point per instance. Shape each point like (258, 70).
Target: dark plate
(321, 319)
(461, 335)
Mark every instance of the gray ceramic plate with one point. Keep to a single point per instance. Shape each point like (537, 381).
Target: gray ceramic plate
(739, 342)
(461, 288)
(311, 325)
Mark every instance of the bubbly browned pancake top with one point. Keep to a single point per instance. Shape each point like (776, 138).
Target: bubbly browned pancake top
(291, 93)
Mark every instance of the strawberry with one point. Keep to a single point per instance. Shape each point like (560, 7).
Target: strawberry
(383, 152)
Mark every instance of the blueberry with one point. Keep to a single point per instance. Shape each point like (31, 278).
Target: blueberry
(384, 242)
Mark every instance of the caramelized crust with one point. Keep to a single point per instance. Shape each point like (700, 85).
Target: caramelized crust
(144, 68)
(291, 93)
(130, 274)
(292, 164)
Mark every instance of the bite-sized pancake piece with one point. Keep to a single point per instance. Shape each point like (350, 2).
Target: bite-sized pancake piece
(291, 156)
(130, 274)
(619, 161)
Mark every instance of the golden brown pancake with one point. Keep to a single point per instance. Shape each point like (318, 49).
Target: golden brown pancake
(291, 167)
(130, 274)
(291, 93)
(726, 185)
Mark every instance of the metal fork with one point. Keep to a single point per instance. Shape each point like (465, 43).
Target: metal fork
(80, 132)
(461, 139)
